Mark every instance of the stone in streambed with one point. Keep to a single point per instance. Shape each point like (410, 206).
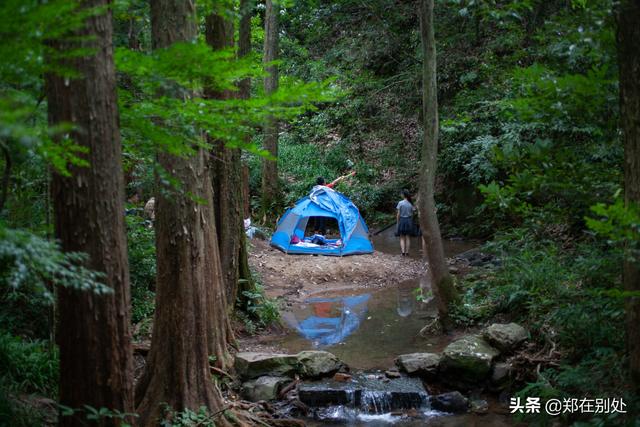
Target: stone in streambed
(479, 406)
(392, 374)
(468, 359)
(253, 365)
(453, 402)
(506, 336)
(419, 363)
(341, 377)
(500, 375)
(264, 388)
(316, 364)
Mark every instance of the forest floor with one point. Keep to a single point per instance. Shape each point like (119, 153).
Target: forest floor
(291, 278)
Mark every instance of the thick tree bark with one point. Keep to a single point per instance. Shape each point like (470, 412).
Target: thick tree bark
(442, 283)
(244, 42)
(270, 190)
(191, 320)
(629, 65)
(226, 166)
(93, 330)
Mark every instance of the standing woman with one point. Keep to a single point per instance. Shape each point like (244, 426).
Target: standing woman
(404, 218)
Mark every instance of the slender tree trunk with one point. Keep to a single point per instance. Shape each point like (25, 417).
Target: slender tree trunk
(246, 282)
(629, 64)
(226, 166)
(191, 315)
(442, 283)
(96, 360)
(270, 190)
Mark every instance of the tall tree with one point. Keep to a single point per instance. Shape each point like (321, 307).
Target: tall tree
(93, 330)
(244, 41)
(244, 49)
(191, 321)
(270, 166)
(442, 283)
(226, 167)
(629, 64)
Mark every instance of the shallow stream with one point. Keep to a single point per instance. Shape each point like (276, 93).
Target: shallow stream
(368, 329)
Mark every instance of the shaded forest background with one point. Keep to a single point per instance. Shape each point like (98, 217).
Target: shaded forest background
(530, 162)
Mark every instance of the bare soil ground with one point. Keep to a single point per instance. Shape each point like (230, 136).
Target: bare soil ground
(293, 277)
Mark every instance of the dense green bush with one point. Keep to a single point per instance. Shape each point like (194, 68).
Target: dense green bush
(28, 366)
(568, 295)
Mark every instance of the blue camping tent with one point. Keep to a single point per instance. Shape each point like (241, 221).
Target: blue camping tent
(323, 202)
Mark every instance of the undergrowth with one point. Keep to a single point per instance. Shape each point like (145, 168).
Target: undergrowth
(568, 296)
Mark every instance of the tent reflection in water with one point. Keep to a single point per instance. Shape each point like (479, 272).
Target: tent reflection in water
(323, 202)
(329, 321)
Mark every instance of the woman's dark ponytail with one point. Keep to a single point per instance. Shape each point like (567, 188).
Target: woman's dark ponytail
(407, 195)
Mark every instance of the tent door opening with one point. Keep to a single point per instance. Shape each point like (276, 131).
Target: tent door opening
(324, 225)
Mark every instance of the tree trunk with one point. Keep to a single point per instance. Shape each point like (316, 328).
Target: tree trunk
(629, 64)
(226, 166)
(96, 360)
(442, 283)
(246, 282)
(191, 320)
(244, 42)
(270, 190)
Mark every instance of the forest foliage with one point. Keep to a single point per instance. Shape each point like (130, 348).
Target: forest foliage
(530, 157)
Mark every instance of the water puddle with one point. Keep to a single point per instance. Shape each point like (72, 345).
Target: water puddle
(366, 329)
(388, 243)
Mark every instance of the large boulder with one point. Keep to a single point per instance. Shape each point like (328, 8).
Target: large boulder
(506, 336)
(453, 402)
(316, 364)
(468, 359)
(263, 388)
(253, 365)
(419, 363)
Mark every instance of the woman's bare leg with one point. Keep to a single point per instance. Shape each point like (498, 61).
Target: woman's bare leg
(407, 244)
(402, 243)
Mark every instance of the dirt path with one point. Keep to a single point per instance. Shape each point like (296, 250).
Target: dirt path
(293, 277)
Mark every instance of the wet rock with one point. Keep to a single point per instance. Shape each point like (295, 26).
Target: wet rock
(506, 336)
(467, 360)
(372, 394)
(341, 377)
(392, 374)
(316, 364)
(500, 375)
(319, 395)
(263, 388)
(453, 402)
(253, 365)
(419, 363)
(479, 406)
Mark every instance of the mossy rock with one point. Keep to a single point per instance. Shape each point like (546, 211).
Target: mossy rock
(253, 365)
(468, 359)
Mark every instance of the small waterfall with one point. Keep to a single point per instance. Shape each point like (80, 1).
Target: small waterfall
(376, 402)
(367, 397)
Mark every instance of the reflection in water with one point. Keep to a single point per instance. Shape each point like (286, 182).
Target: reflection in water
(328, 321)
(405, 300)
(366, 329)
